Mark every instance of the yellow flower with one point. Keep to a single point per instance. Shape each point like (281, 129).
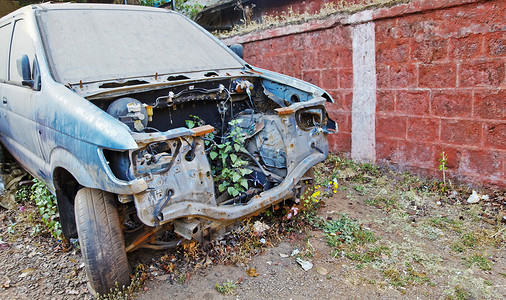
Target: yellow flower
(316, 194)
(334, 182)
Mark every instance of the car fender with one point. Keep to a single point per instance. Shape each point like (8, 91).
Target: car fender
(62, 158)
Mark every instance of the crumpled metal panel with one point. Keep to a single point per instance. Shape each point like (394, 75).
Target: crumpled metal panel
(189, 181)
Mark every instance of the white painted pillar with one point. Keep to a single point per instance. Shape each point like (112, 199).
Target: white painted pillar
(363, 133)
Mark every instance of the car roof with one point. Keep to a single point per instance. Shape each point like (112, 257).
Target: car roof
(102, 6)
(81, 6)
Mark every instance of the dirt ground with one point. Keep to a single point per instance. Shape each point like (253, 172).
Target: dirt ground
(427, 245)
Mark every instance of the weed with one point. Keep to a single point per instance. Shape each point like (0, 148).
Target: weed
(365, 254)
(11, 227)
(481, 261)
(462, 294)
(442, 165)
(23, 194)
(227, 287)
(394, 276)
(360, 189)
(120, 293)
(229, 168)
(342, 230)
(386, 203)
(469, 240)
(47, 206)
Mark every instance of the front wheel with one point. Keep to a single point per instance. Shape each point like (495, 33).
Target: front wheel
(101, 240)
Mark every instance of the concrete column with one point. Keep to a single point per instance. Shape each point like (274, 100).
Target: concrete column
(363, 134)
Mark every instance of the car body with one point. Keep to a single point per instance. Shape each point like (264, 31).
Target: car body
(96, 100)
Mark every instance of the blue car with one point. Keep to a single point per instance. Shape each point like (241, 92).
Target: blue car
(141, 122)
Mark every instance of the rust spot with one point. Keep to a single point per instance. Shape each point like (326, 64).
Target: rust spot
(202, 130)
(292, 145)
(284, 111)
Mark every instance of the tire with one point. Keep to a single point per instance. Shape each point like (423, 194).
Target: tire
(101, 240)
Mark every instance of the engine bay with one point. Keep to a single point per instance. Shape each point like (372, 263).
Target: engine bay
(218, 142)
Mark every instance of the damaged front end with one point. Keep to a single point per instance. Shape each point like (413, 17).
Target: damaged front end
(251, 142)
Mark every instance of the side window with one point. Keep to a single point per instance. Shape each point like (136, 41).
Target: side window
(5, 36)
(21, 44)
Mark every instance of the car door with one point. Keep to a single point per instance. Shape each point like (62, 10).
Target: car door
(19, 103)
(5, 40)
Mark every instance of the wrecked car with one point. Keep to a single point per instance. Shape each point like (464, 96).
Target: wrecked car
(142, 123)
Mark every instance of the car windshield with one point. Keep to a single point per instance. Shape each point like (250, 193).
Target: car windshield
(103, 44)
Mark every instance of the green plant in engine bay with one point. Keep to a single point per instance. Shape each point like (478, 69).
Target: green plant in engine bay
(229, 168)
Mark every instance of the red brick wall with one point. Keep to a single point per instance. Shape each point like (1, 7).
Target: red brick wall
(440, 68)
(441, 87)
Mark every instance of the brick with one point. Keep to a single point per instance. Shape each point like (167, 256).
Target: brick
(484, 162)
(482, 73)
(295, 42)
(339, 142)
(438, 75)
(490, 104)
(382, 76)
(420, 154)
(496, 44)
(407, 26)
(346, 100)
(310, 61)
(431, 49)
(391, 126)
(392, 52)
(385, 101)
(384, 30)
(452, 157)
(312, 77)
(346, 56)
(452, 103)
(463, 132)
(466, 48)
(328, 59)
(334, 94)
(346, 78)
(412, 102)
(329, 79)
(403, 76)
(389, 151)
(335, 36)
(423, 129)
(495, 135)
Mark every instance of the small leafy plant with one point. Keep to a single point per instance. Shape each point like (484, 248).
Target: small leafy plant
(47, 207)
(344, 230)
(227, 287)
(229, 168)
(442, 165)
